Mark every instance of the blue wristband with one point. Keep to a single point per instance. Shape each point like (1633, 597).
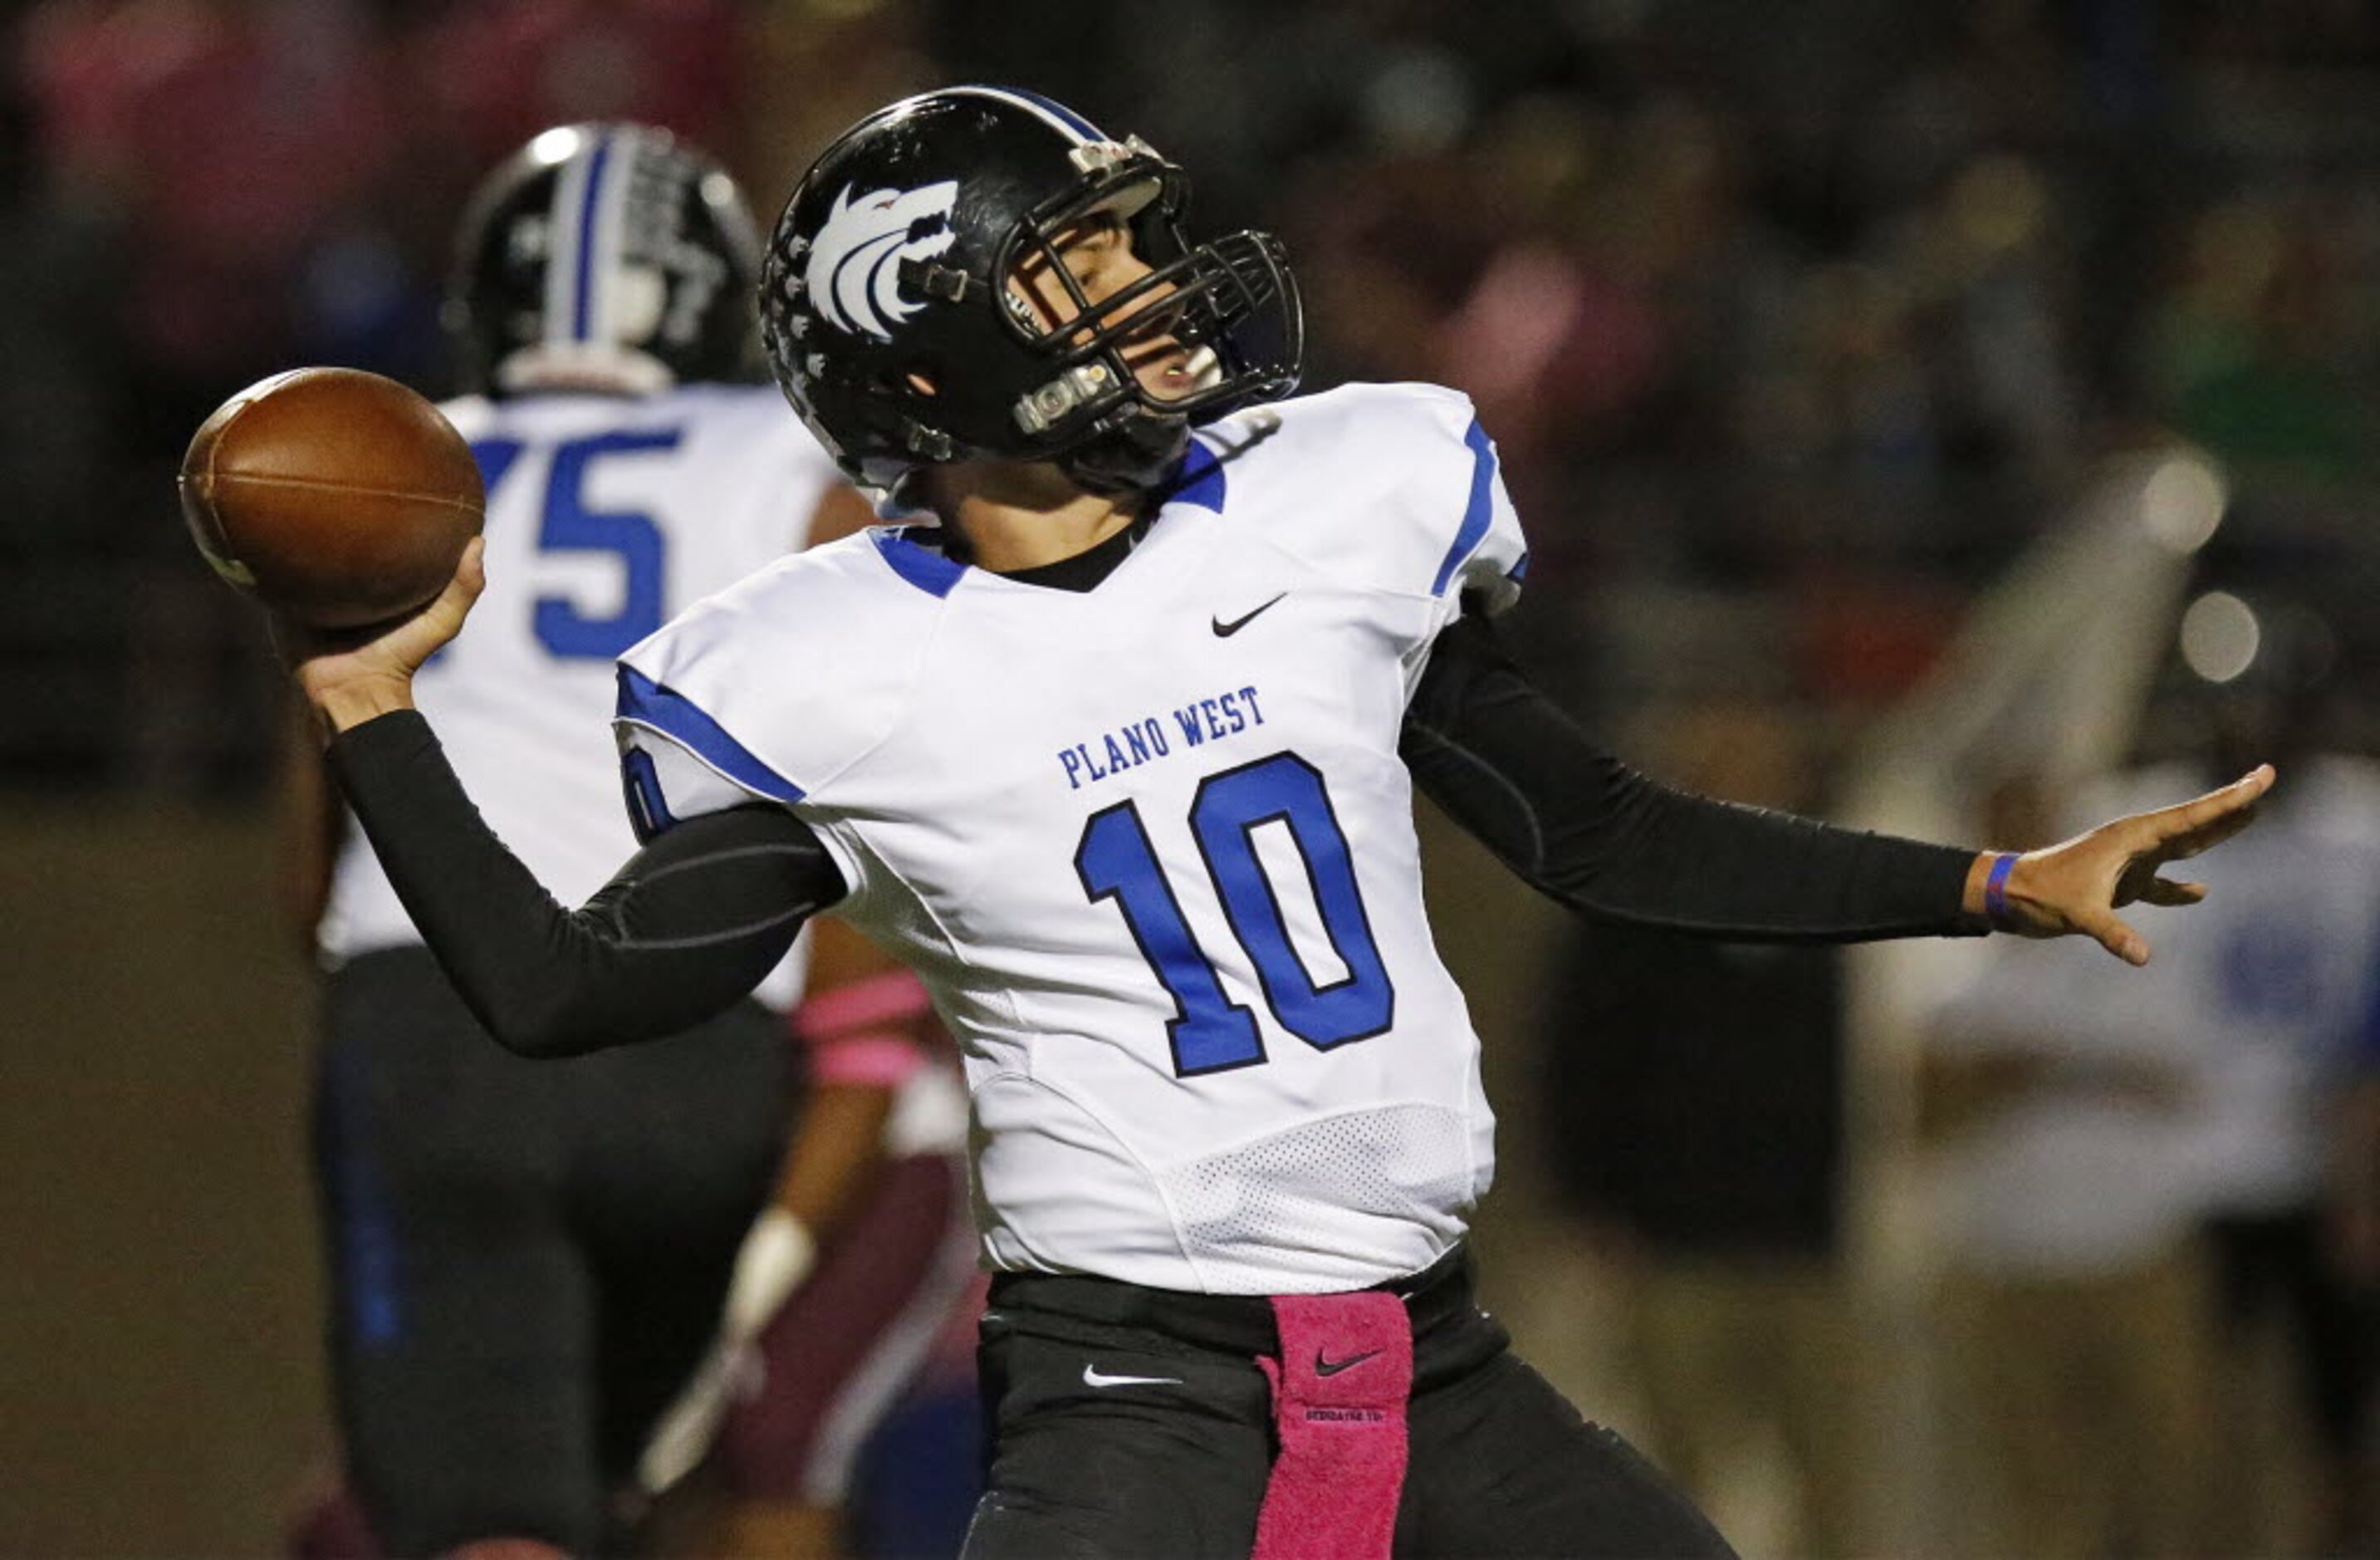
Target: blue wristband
(1996, 908)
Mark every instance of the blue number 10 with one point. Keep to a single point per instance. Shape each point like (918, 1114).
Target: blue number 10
(1212, 1033)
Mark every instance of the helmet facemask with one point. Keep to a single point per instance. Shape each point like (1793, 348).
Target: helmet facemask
(1226, 312)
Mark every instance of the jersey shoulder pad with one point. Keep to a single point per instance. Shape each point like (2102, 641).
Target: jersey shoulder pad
(782, 680)
(1396, 484)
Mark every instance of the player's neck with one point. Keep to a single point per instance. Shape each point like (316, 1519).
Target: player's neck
(1018, 516)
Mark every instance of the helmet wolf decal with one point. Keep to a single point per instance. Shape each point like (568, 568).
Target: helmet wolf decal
(889, 315)
(855, 262)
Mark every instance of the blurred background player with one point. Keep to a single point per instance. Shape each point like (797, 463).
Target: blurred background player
(2072, 1302)
(2290, 979)
(2151, 1345)
(528, 1261)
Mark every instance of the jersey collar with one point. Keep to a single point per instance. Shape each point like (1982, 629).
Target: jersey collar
(1197, 481)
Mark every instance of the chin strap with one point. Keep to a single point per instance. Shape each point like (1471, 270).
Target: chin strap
(1137, 455)
(1134, 457)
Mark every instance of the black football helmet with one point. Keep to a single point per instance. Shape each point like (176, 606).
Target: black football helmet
(608, 257)
(889, 317)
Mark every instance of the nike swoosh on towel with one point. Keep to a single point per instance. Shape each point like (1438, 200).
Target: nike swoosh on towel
(1332, 1367)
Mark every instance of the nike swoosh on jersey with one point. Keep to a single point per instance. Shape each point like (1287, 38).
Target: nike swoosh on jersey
(1093, 1376)
(1332, 1367)
(1225, 631)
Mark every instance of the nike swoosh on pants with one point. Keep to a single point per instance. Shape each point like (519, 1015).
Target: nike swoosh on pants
(1093, 1376)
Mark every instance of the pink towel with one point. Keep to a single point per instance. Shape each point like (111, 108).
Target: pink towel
(1338, 1393)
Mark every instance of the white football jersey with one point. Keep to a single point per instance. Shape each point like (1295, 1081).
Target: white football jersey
(2248, 1000)
(2261, 990)
(605, 517)
(1149, 846)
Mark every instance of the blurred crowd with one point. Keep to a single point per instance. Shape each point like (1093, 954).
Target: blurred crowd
(1788, 334)
(1796, 328)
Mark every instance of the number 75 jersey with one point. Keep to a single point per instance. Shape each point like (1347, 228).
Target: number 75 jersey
(1150, 845)
(606, 516)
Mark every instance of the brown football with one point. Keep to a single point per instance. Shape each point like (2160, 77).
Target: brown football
(338, 497)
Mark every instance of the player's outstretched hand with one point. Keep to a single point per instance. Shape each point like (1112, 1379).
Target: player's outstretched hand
(2077, 887)
(351, 675)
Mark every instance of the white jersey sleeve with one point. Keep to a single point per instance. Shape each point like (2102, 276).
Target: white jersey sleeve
(756, 658)
(1403, 493)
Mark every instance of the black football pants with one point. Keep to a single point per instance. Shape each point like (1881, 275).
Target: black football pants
(1132, 1422)
(527, 1257)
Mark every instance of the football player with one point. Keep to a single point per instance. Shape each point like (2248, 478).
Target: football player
(1120, 757)
(527, 1260)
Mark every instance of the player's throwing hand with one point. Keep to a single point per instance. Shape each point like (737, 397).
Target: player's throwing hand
(352, 674)
(2078, 886)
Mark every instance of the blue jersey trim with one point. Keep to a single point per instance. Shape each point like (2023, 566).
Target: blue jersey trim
(1519, 571)
(1199, 481)
(585, 277)
(927, 570)
(1476, 514)
(640, 782)
(647, 702)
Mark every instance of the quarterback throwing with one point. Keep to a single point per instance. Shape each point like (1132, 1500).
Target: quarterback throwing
(1122, 761)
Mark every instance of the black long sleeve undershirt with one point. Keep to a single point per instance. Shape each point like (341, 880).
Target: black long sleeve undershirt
(1573, 821)
(685, 929)
(694, 920)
